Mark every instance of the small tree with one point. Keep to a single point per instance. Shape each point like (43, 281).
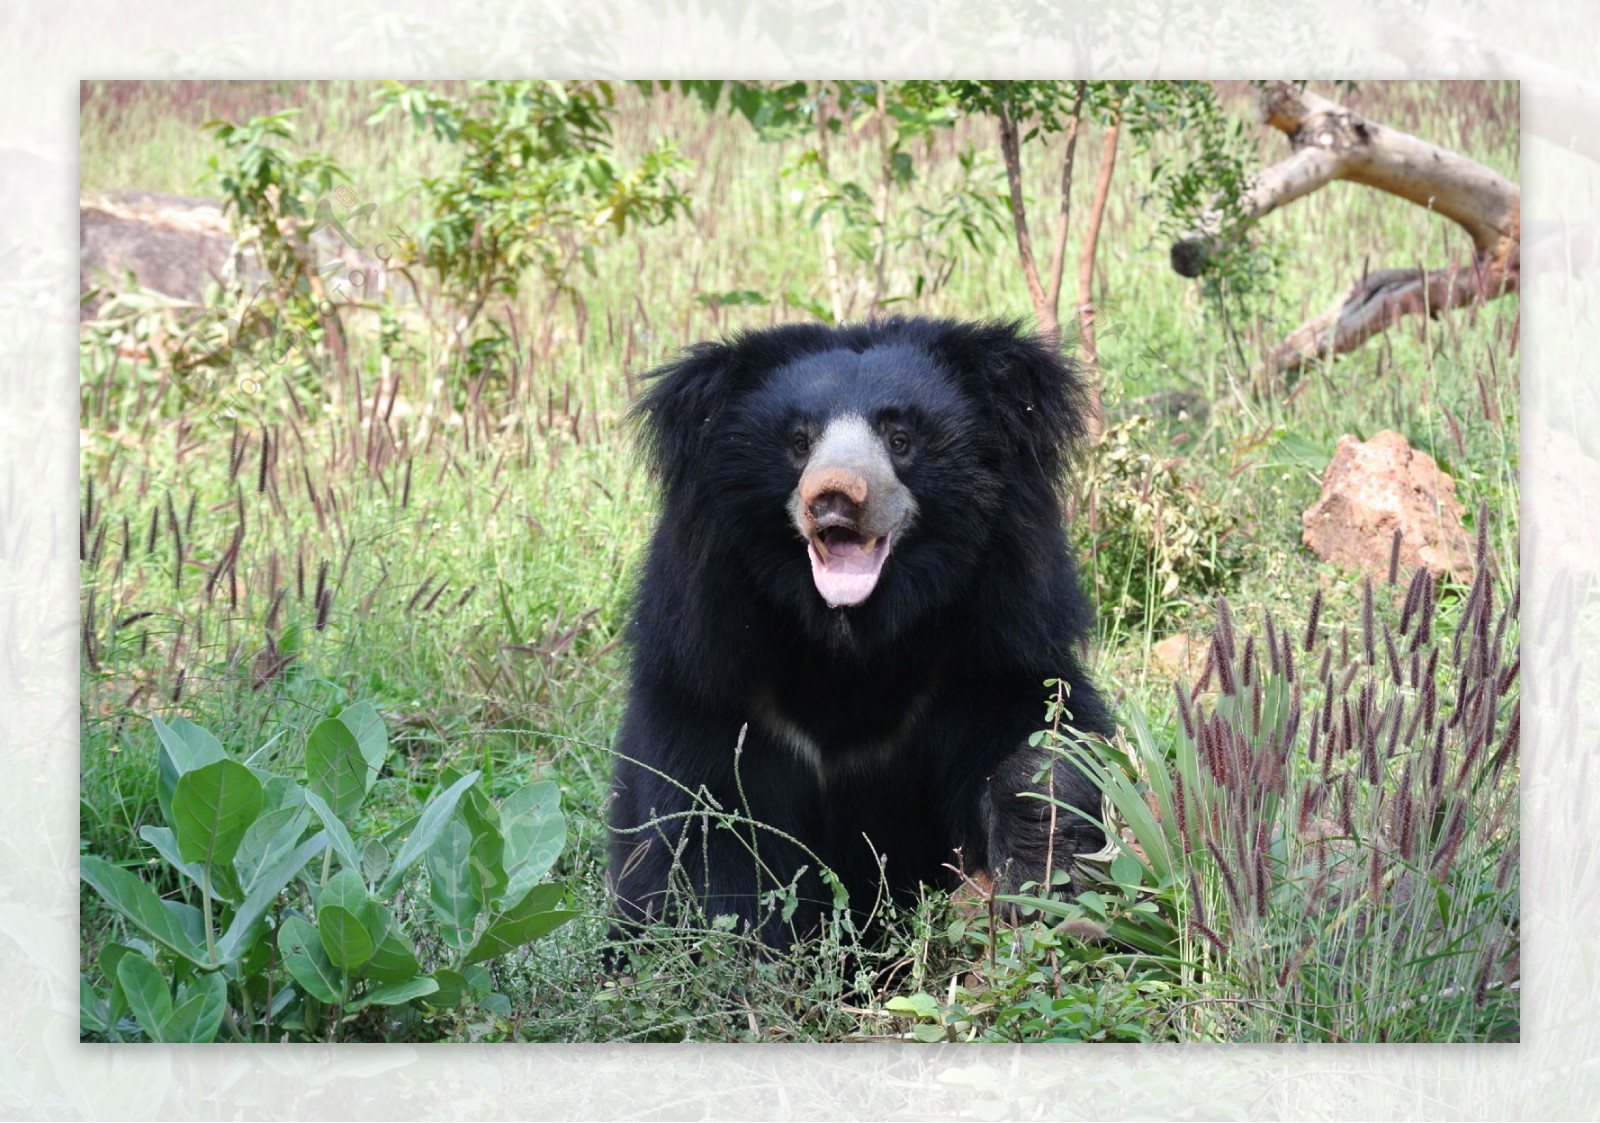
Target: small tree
(536, 187)
(860, 217)
(1025, 110)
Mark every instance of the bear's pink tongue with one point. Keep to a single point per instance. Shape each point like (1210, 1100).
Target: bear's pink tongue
(848, 574)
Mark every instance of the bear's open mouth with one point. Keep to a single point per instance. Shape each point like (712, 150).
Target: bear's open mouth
(845, 564)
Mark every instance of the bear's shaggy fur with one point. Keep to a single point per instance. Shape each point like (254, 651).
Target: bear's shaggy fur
(858, 586)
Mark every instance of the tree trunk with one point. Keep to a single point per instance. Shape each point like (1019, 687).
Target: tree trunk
(1097, 211)
(1331, 142)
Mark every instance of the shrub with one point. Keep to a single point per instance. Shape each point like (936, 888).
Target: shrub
(281, 945)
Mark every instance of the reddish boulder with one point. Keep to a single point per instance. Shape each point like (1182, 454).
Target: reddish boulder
(1371, 489)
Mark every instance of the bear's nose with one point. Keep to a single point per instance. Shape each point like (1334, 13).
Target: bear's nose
(834, 508)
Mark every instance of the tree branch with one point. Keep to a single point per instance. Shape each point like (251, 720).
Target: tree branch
(1010, 152)
(1331, 142)
(1058, 254)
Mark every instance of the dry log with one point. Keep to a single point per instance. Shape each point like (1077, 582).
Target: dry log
(1332, 142)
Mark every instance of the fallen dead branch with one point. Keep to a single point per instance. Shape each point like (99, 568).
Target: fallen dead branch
(1331, 142)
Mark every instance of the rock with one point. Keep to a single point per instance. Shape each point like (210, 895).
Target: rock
(1372, 488)
(171, 244)
(1177, 655)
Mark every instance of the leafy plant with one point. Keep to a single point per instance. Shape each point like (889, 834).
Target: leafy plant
(1153, 537)
(536, 185)
(281, 944)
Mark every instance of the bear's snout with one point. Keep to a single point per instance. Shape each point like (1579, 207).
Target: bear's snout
(838, 499)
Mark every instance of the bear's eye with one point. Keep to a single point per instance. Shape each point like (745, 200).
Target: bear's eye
(899, 442)
(801, 444)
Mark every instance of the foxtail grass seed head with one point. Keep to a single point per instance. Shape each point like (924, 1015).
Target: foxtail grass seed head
(1393, 655)
(1454, 831)
(1247, 664)
(1197, 909)
(1347, 805)
(1311, 622)
(1211, 937)
(1481, 554)
(1291, 969)
(1228, 880)
(1183, 710)
(1508, 677)
(1510, 742)
(1288, 660)
(1180, 810)
(1436, 761)
(1507, 866)
(1369, 751)
(1368, 631)
(1405, 815)
(1224, 664)
(1394, 558)
(1203, 683)
(1393, 714)
(1413, 599)
(1325, 671)
(1225, 628)
(1273, 660)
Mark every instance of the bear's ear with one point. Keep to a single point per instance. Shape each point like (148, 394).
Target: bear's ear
(676, 412)
(1035, 394)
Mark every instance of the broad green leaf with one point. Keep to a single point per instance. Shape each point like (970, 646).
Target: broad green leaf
(451, 892)
(397, 993)
(138, 903)
(269, 838)
(452, 987)
(92, 1009)
(283, 792)
(344, 937)
(363, 720)
(149, 1000)
(374, 861)
(338, 834)
(224, 885)
(199, 1015)
(395, 960)
(107, 960)
(190, 920)
(434, 816)
(485, 861)
(917, 1005)
(307, 962)
(212, 807)
(182, 747)
(265, 890)
(335, 768)
(533, 916)
(535, 831)
(346, 923)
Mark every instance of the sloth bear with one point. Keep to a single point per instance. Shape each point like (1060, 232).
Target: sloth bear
(857, 588)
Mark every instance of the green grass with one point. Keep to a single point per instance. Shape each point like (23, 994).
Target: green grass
(479, 579)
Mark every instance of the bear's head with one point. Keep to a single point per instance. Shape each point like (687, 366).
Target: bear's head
(877, 471)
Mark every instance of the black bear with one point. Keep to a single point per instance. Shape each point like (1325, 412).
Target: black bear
(856, 591)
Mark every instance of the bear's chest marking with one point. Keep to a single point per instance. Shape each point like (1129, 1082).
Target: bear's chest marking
(836, 757)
